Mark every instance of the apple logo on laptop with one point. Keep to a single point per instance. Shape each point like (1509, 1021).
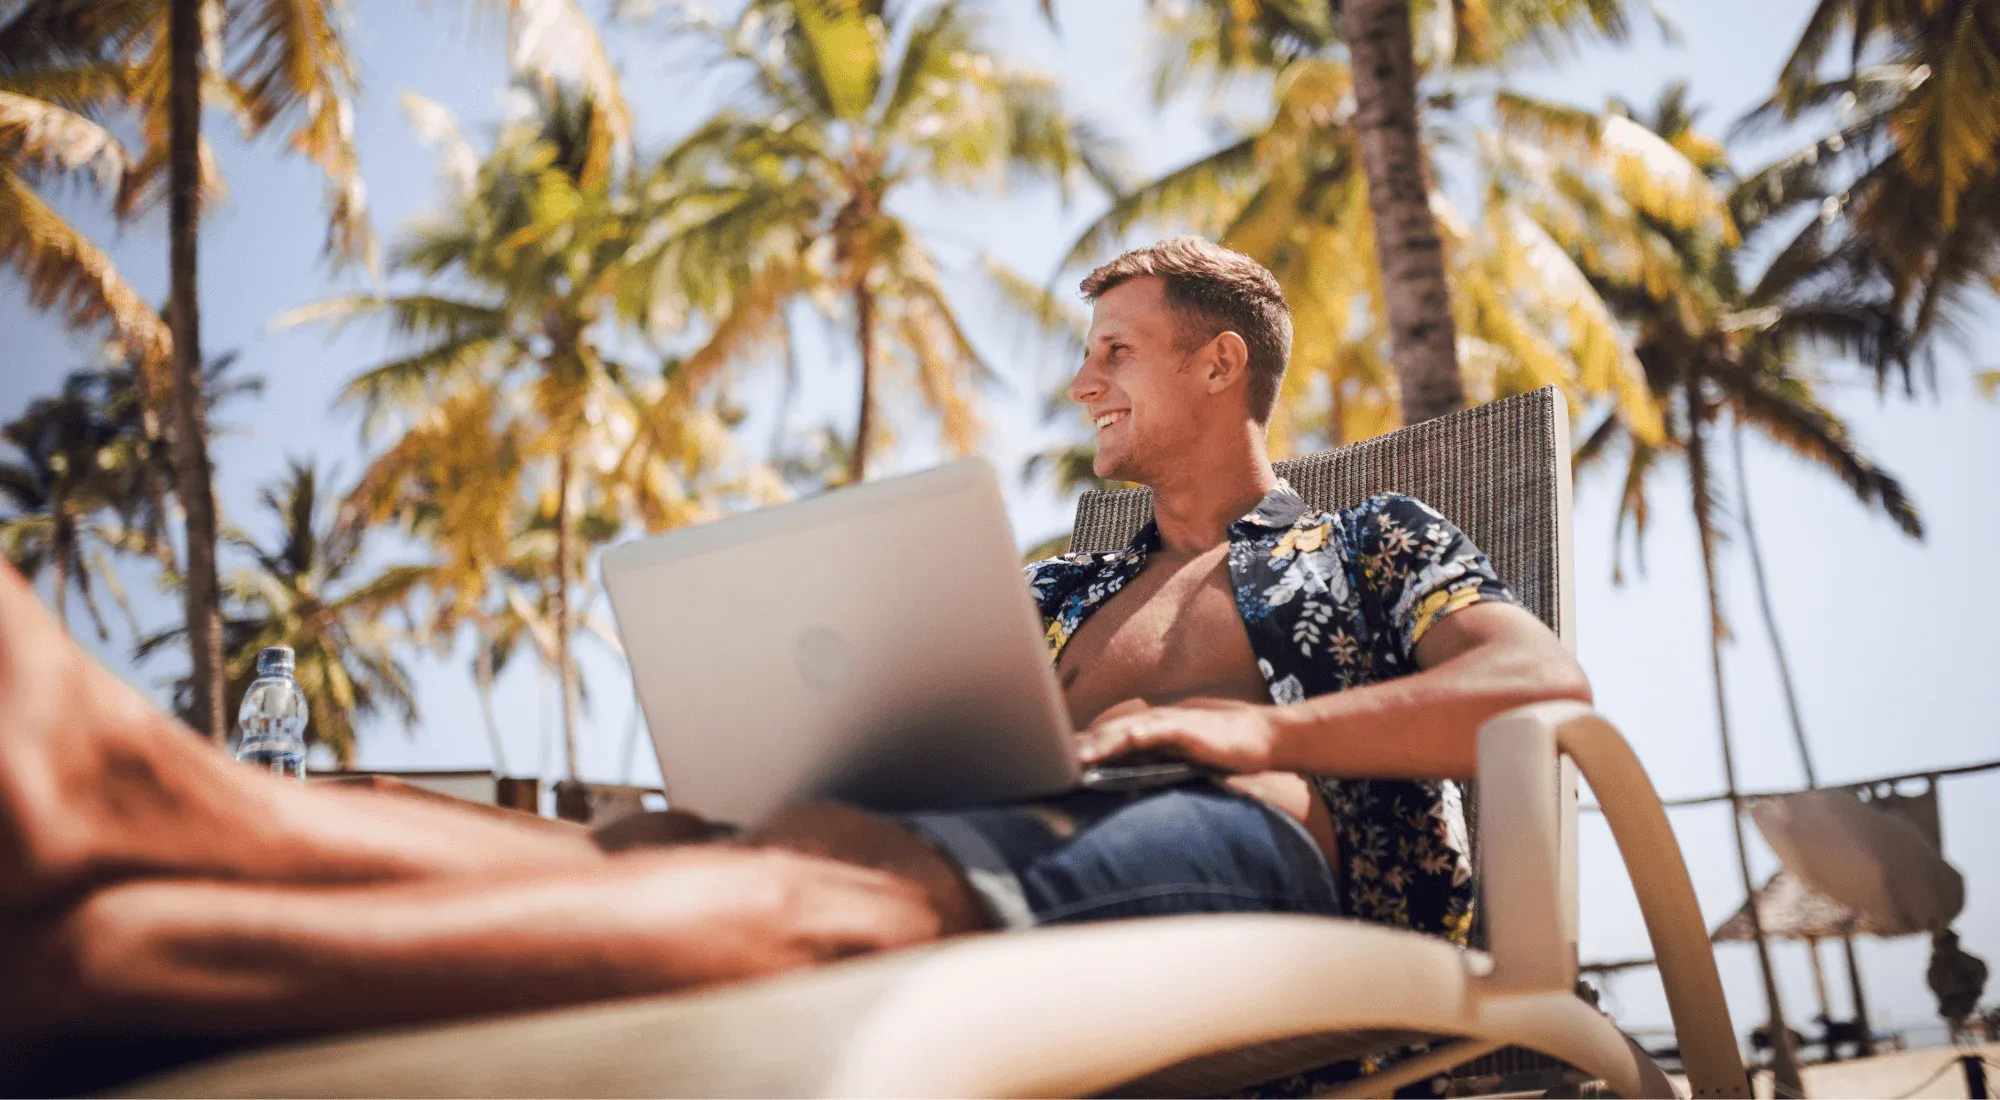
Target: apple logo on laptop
(821, 657)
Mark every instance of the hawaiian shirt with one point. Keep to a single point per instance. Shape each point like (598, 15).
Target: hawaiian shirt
(1334, 600)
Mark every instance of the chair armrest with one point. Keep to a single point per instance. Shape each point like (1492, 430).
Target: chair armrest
(1521, 876)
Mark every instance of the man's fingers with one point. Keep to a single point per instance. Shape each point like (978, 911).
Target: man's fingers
(1124, 736)
(1120, 710)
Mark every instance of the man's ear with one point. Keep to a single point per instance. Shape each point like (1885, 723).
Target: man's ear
(1228, 362)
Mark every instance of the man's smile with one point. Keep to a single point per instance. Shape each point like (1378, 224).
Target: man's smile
(1106, 419)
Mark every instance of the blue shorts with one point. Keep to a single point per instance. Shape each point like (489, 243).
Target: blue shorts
(1091, 855)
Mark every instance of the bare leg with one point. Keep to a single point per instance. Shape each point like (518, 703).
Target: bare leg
(96, 786)
(169, 957)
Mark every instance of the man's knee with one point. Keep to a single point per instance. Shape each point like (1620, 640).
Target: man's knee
(835, 831)
(1180, 850)
(656, 829)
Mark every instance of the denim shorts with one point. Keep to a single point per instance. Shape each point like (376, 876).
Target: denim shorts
(1199, 847)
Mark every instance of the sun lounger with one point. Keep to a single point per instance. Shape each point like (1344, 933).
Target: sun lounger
(1176, 1006)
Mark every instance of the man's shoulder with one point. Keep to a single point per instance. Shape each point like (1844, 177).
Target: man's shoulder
(1383, 511)
(1357, 520)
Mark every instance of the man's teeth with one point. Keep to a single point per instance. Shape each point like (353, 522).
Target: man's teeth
(1109, 419)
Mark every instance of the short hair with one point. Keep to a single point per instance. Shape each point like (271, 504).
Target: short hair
(1212, 289)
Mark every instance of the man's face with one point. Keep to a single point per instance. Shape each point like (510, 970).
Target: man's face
(1136, 385)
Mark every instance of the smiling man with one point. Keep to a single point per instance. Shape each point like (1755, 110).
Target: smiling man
(1332, 668)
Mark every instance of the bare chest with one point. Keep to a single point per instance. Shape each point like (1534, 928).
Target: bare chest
(1171, 633)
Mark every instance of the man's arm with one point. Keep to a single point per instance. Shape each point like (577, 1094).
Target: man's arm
(1475, 663)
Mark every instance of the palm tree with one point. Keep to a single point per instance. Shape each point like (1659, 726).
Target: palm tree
(89, 481)
(1907, 181)
(57, 76)
(1710, 344)
(546, 253)
(1384, 137)
(58, 491)
(1290, 193)
(792, 192)
(303, 592)
(276, 63)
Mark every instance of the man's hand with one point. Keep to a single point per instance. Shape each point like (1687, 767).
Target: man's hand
(1223, 734)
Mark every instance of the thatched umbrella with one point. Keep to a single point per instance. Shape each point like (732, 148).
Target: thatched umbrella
(1791, 910)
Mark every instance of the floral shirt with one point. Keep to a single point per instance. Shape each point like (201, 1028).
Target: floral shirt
(1334, 600)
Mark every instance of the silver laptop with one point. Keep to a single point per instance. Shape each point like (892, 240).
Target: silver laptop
(873, 645)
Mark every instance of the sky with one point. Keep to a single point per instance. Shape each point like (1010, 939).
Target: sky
(1891, 640)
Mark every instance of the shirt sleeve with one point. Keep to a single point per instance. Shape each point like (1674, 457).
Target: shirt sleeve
(1417, 568)
(1048, 580)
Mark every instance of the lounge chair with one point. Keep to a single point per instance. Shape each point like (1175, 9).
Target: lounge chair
(1184, 1005)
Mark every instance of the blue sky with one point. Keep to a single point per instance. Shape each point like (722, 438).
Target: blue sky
(1891, 639)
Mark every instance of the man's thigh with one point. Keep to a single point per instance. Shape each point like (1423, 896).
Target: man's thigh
(1196, 848)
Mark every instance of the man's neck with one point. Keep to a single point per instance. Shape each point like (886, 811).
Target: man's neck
(1195, 506)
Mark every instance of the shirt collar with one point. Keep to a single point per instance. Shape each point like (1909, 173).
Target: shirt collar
(1280, 508)
(1277, 511)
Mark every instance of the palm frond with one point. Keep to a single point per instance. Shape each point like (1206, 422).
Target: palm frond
(1822, 29)
(1207, 188)
(291, 58)
(431, 316)
(1602, 350)
(407, 382)
(436, 126)
(834, 46)
(64, 271)
(932, 51)
(556, 41)
(1785, 411)
(84, 86)
(38, 135)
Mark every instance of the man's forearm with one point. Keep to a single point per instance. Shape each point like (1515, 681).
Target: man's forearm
(1422, 726)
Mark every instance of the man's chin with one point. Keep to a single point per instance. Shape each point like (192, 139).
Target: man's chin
(1110, 468)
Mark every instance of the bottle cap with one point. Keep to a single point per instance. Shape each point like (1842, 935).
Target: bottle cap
(275, 660)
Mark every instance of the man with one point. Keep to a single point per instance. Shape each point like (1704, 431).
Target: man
(1243, 631)
(147, 887)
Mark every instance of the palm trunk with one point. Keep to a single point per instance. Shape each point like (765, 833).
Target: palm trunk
(1866, 1048)
(565, 661)
(1422, 340)
(482, 676)
(60, 549)
(192, 475)
(1786, 1065)
(1764, 608)
(864, 332)
(159, 542)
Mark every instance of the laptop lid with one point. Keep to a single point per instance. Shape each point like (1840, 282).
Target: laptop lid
(874, 645)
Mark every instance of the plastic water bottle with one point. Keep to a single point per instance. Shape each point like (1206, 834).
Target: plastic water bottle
(271, 724)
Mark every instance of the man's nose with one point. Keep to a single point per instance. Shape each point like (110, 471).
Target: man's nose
(1086, 386)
